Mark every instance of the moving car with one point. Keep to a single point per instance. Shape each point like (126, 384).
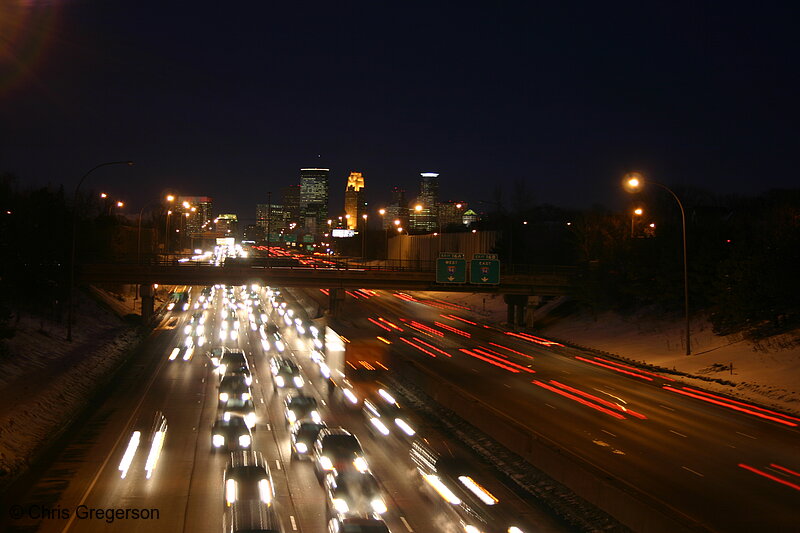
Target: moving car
(385, 416)
(244, 409)
(231, 434)
(233, 387)
(351, 493)
(150, 434)
(251, 516)
(298, 407)
(247, 478)
(286, 374)
(357, 525)
(338, 449)
(303, 436)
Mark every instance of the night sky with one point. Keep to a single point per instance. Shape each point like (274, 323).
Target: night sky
(231, 99)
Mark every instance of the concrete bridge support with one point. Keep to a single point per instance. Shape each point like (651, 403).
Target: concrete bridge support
(148, 302)
(335, 299)
(516, 304)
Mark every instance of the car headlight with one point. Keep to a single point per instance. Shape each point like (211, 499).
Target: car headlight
(201, 329)
(378, 506)
(315, 417)
(265, 344)
(471, 529)
(223, 396)
(215, 361)
(265, 491)
(380, 426)
(245, 396)
(350, 395)
(223, 334)
(170, 306)
(325, 463)
(280, 346)
(324, 370)
(187, 330)
(300, 447)
(340, 505)
(250, 419)
(248, 380)
(230, 491)
(361, 464)
(234, 334)
(298, 381)
(185, 306)
(408, 430)
(244, 441)
(218, 441)
(291, 416)
(279, 381)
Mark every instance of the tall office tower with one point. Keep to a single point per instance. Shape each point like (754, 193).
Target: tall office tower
(451, 213)
(199, 212)
(424, 213)
(228, 225)
(396, 210)
(291, 205)
(270, 217)
(354, 204)
(314, 198)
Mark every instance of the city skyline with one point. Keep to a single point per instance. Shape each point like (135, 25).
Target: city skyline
(566, 100)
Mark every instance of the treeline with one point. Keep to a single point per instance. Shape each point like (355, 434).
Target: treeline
(743, 255)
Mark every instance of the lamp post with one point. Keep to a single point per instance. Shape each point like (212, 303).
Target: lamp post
(633, 182)
(364, 239)
(636, 213)
(74, 241)
(400, 233)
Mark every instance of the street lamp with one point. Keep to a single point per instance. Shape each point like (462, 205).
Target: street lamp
(634, 182)
(364, 239)
(74, 241)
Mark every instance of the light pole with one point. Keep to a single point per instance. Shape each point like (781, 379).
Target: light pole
(74, 241)
(636, 213)
(400, 233)
(364, 239)
(633, 182)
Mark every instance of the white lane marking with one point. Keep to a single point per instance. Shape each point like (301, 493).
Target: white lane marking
(604, 431)
(269, 427)
(746, 435)
(550, 406)
(403, 520)
(693, 471)
(294, 524)
(679, 434)
(277, 464)
(506, 385)
(566, 372)
(667, 408)
(262, 400)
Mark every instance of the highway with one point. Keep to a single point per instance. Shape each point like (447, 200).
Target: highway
(185, 491)
(721, 466)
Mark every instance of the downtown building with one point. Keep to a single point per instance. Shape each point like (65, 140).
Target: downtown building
(314, 199)
(355, 205)
(451, 213)
(270, 217)
(424, 214)
(396, 210)
(199, 211)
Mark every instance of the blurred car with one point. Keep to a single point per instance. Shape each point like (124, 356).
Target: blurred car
(233, 386)
(231, 434)
(215, 355)
(151, 433)
(251, 516)
(285, 374)
(303, 436)
(298, 407)
(385, 416)
(357, 525)
(247, 478)
(244, 409)
(351, 493)
(338, 449)
(232, 359)
(240, 369)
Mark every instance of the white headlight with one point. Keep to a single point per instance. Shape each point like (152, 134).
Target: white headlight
(248, 380)
(315, 417)
(301, 447)
(265, 491)
(250, 419)
(245, 396)
(386, 396)
(380, 426)
(324, 370)
(223, 396)
(291, 416)
(350, 396)
(378, 506)
(280, 346)
(408, 430)
(187, 330)
(279, 381)
(325, 463)
(230, 491)
(340, 505)
(174, 354)
(361, 464)
(244, 441)
(298, 381)
(130, 451)
(218, 440)
(265, 344)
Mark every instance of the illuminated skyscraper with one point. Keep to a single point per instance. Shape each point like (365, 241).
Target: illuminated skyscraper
(314, 198)
(354, 204)
(425, 218)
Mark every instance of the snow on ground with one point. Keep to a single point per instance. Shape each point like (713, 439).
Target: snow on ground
(45, 380)
(767, 372)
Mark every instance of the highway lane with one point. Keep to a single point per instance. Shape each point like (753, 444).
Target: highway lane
(186, 487)
(685, 453)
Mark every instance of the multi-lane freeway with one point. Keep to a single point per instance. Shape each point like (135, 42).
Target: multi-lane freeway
(185, 491)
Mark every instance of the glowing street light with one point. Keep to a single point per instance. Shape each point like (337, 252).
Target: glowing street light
(636, 213)
(633, 182)
(120, 204)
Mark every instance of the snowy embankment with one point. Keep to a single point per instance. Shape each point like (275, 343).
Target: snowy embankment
(45, 380)
(767, 372)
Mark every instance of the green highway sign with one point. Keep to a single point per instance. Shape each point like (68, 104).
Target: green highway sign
(451, 268)
(484, 269)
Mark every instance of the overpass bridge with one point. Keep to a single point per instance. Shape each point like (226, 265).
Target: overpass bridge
(516, 284)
